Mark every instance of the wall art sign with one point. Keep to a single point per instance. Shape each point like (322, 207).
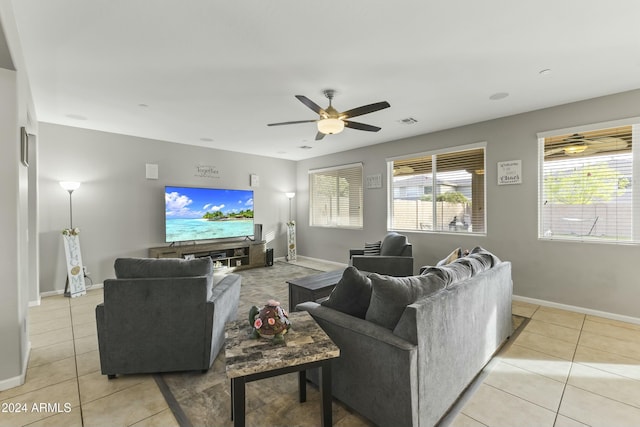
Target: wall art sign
(207, 171)
(510, 172)
(75, 273)
(373, 181)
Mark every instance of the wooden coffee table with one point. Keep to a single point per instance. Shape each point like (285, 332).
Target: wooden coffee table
(306, 346)
(312, 288)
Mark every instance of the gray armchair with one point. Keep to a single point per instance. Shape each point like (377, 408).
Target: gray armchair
(164, 315)
(395, 257)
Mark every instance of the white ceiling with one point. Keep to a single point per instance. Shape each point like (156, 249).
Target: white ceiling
(192, 70)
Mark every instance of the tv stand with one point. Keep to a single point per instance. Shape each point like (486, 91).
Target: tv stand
(232, 255)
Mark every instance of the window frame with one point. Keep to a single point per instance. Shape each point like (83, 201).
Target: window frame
(434, 153)
(634, 122)
(312, 172)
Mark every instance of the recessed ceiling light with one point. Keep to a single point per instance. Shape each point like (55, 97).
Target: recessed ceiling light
(545, 72)
(76, 117)
(206, 139)
(498, 95)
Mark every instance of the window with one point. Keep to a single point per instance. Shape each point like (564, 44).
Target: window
(336, 196)
(586, 189)
(438, 191)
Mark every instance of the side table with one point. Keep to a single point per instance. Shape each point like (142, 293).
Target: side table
(312, 288)
(306, 346)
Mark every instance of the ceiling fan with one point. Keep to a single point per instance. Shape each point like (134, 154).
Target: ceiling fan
(578, 145)
(331, 121)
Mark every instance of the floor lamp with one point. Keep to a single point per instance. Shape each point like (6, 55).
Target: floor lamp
(72, 249)
(70, 186)
(291, 232)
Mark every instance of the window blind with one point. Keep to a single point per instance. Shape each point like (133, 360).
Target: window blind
(586, 190)
(336, 196)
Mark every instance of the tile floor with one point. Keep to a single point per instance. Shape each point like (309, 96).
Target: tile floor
(564, 369)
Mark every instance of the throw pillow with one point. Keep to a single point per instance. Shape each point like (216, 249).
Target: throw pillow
(391, 295)
(352, 293)
(372, 249)
(454, 255)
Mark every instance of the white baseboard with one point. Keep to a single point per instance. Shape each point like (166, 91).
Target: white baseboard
(582, 310)
(60, 292)
(324, 261)
(18, 380)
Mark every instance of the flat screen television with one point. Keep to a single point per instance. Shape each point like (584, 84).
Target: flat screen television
(197, 213)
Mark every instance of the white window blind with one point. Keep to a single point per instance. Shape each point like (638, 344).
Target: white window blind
(439, 191)
(336, 196)
(586, 190)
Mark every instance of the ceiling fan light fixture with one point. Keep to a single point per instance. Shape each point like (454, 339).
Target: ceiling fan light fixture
(330, 126)
(575, 149)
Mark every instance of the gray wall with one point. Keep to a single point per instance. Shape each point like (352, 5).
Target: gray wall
(598, 277)
(121, 213)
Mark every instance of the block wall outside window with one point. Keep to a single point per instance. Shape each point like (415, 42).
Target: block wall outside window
(440, 191)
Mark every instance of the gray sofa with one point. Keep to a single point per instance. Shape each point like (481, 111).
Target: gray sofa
(163, 315)
(432, 334)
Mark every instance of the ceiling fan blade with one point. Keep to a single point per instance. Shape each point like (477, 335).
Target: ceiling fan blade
(365, 109)
(319, 136)
(291, 123)
(309, 103)
(361, 126)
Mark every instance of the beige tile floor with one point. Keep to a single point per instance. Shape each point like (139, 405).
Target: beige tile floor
(564, 369)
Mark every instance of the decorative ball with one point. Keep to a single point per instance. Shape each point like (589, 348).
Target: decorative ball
(269, 321)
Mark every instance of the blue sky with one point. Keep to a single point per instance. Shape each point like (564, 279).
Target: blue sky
(189, 202)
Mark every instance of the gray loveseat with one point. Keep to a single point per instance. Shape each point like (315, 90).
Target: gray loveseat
(163, 315)
(408, 355)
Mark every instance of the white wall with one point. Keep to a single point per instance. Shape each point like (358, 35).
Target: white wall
(121, 213)
(593, 276)
(16, 227)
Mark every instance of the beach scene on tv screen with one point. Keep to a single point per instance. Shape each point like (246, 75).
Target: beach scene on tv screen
(207, 213)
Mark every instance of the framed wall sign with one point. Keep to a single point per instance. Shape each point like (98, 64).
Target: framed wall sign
(510, 172)
(24, 146)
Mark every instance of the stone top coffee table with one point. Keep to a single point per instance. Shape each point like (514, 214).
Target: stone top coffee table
(306, 346)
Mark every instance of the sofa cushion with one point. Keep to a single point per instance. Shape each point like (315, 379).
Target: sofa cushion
(486, 255)
(391, 295)
(138, 268)
(454, 255)
(450, 273)
(352, 293)
(475, 265)
(372, 249)
(393, 244)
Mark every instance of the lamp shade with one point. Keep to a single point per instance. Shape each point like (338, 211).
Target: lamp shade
(70, 185)
(290, 195)
(330, 126)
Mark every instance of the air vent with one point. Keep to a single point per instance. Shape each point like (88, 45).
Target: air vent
(408, 121)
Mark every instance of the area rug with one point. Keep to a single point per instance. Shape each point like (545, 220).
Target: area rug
(198, 399)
